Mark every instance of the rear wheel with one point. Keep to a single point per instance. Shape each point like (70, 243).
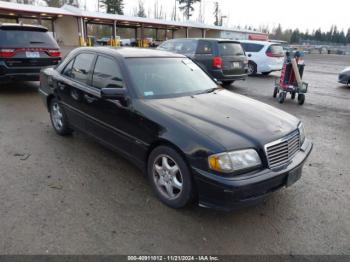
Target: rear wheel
(281, 97)
(252, 68)
(301, 99)
(227, 83)
(265, 73)
(170, 177)
(59, 119)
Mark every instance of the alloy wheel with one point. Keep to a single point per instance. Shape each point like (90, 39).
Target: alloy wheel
(167, 177)
(57, 116)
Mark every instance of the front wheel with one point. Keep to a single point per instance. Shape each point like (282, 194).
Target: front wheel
(170, 177)
(301, 99)
(59, 119)
(275, 91)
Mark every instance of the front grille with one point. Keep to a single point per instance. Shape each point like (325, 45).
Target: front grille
(282, 151)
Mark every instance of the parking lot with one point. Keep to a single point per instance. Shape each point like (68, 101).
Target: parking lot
(72, 196)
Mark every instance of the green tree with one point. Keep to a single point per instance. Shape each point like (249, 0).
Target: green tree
(113, 6)
(141, 9)
(187, 7)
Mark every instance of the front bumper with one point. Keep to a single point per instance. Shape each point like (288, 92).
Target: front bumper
(236, 192)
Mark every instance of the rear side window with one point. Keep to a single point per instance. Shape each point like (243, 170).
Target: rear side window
(26, 38)
(204, 47)
(230, 49)
(185, 47)
(275, 50)
(107, 74)
(250, 47)
(81, 67)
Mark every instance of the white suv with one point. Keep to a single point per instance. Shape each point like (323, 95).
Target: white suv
(263, 57)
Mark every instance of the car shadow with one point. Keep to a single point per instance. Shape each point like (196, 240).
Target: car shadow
(18, 87)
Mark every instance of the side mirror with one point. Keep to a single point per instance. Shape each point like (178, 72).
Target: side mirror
(113, 93)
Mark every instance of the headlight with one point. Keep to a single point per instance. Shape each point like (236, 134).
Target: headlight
(234, 161)
(301, 133)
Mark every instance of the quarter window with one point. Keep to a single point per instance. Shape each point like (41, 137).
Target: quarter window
(67, 71)
(107, 74)
(81, 67)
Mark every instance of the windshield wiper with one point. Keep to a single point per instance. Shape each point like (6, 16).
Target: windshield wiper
(210, 90)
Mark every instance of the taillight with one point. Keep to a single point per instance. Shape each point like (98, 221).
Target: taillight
(54, 53)
(7, 52)
(270, 54)
(217, 62)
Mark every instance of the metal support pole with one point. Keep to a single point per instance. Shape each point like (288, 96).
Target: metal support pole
(166, 33)
(204, 33)
(187, 33)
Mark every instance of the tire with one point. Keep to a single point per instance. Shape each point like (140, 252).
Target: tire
(275, 91)
(292, 95)
(59, 118)
(252, 69)
(170, 177)
(281, 97)
(265, 73)
(227, 83)
(301, 99)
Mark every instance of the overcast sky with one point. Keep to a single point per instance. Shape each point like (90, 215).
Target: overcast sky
(302, 14)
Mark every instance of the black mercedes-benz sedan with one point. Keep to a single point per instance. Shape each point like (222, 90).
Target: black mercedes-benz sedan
(196, 141)
(344, 76)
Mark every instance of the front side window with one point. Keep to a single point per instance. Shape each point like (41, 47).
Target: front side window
(168, 46)
(107, 74)
(204, 47)
(167, 77)
(81, 67)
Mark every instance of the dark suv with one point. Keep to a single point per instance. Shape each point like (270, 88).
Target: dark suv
(25, 50)
(224, 60)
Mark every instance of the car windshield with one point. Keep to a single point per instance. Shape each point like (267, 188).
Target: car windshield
(168, 77)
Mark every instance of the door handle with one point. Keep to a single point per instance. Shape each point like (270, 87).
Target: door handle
(249, 55)
(61, 85)
(90, 99)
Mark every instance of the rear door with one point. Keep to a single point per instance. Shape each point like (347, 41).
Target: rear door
(72, 88)
(233, 58)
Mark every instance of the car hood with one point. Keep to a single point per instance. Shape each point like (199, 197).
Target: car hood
(233, 120)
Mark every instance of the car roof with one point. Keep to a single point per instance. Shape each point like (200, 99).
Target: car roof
(131, 52)
(256, 42)
(23, 26)
(207, 39)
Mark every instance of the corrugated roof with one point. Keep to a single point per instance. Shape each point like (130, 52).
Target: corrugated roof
(73, 11)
